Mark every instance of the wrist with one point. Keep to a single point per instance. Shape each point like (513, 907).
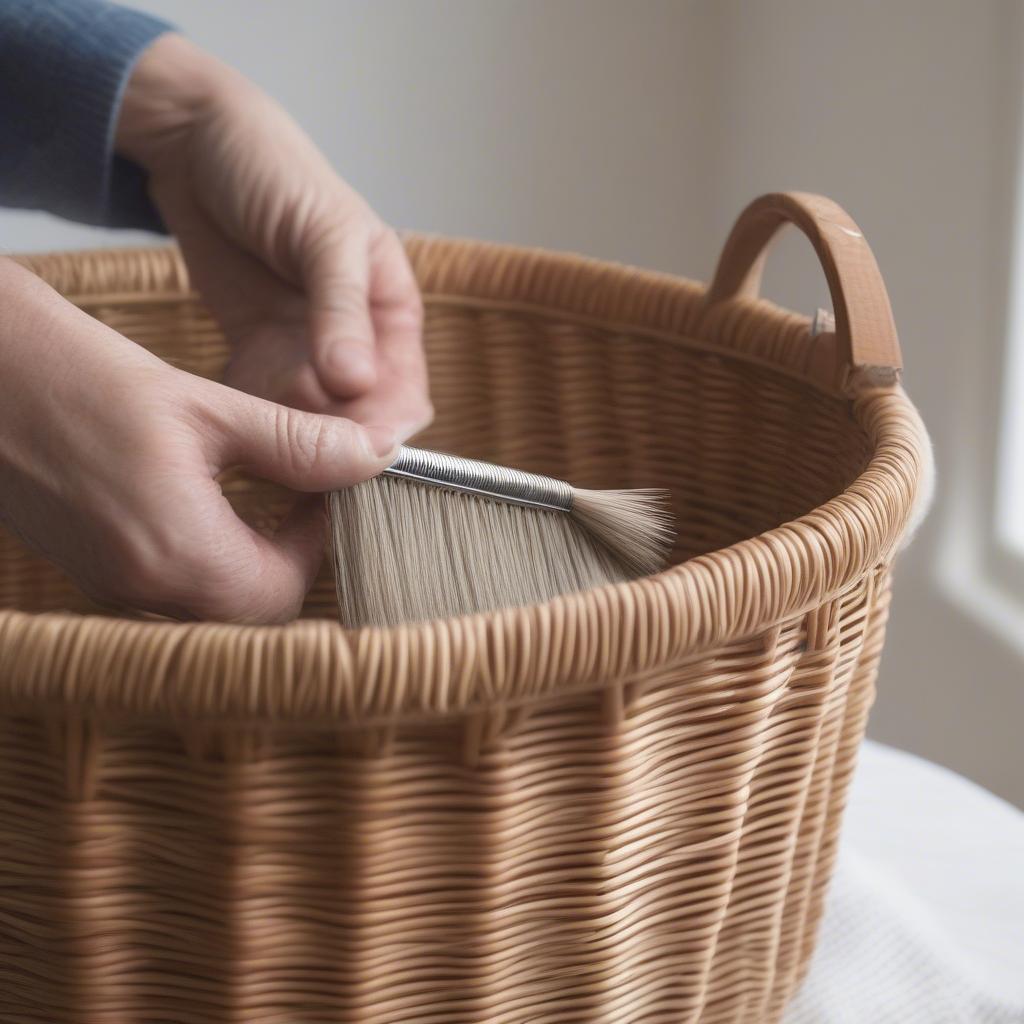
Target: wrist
(173, 86)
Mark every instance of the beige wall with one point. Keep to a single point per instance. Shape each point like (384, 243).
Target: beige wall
(635, 131)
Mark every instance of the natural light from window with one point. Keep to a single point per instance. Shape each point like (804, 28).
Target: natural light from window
(1010, 498)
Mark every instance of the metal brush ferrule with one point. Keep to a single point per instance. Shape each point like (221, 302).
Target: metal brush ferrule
(438, 469)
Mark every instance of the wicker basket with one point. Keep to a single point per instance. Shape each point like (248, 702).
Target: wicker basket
(620, 806)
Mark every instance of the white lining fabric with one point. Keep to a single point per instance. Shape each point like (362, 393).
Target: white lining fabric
(924, 922)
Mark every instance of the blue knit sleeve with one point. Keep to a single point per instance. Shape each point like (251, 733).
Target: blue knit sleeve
(63, 68)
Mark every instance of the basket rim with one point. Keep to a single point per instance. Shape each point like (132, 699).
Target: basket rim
(315, 671)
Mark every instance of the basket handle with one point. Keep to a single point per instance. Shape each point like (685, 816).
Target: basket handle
(864, 328)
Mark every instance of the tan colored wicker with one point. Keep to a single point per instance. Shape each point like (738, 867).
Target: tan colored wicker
(620, 806)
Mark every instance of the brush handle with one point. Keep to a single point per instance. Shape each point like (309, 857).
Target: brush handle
(470, 476)
(865, 333)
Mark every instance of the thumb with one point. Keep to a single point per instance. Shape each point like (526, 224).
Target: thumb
(340, 324)
(300, 450)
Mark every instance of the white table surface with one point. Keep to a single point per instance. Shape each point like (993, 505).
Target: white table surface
(924, 922)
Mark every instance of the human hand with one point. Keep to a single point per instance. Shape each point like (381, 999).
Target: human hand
(313, 291)
(109, 459)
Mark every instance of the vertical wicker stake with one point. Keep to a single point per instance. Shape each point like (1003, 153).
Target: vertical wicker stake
(78, 742)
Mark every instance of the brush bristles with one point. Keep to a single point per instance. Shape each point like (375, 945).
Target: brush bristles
(406, 551)
(634, 526)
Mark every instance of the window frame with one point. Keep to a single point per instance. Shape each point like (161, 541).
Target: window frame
(980, 563)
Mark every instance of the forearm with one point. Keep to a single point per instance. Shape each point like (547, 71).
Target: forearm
(64, 66)
(173, 85)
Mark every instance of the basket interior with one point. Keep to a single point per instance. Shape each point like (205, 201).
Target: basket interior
(740, 447)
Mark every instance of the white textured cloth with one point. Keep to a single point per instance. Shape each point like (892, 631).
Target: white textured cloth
(924, 922)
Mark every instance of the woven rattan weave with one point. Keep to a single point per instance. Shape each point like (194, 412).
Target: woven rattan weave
(621, 806)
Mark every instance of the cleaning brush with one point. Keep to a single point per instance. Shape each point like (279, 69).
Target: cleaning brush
(439, 535)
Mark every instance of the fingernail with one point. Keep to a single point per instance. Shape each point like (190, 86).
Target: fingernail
(355, 366)
(411, 429)
(359, 365)
(407, 428)
(383, 440)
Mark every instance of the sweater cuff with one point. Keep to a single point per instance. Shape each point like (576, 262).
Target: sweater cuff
(66, 65)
